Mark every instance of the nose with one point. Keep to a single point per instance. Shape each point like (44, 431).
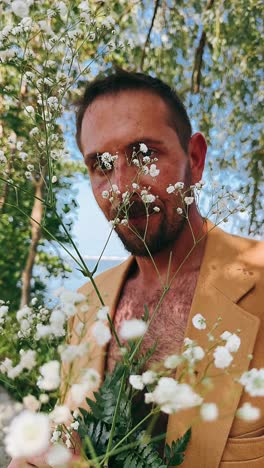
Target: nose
(123, 174)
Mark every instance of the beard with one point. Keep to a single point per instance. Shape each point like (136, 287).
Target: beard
(165, 236)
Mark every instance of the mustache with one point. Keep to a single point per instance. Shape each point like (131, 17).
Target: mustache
(134, 209)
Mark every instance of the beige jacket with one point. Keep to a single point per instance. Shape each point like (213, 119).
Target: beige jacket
(230, 285)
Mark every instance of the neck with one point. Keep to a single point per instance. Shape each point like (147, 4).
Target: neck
(184, 255)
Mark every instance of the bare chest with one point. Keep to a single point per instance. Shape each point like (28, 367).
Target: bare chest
(168, 325)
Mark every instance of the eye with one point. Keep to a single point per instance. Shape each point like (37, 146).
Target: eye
(148, 153)
(102, 164)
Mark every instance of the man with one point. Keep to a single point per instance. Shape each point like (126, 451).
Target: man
(209, 271)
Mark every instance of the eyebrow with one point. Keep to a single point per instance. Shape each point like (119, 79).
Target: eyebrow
(131, 145)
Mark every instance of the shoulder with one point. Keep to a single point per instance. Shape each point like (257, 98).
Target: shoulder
(112, 275)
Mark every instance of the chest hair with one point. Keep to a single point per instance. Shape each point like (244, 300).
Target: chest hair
(169, 324)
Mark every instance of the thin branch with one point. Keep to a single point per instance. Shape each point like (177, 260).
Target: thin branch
(148, 35)
(198, 57)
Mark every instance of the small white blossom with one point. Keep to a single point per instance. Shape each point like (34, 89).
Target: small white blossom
(136, 382)
(149, 398)
(199, 322)
(60, 415)
(54, 179)
(132, 329)
(143, 148)
(253, 381)
(222, 357)
(101, 333)
(179, 185)
(209, 411)
(105, 194)
(156, 209)
(170, 189)
(43, 398)
(179, 211)
(28, 435)
(149, 377)
(248, 412)
(188, 200)
(20, 8)
(31, 403)
(50, 376)
(172, 396)
(3, 159)
(29, 110)
(153, 171)
(232, 341)
(102, 313)
(148, 198)
(58, 455)
(173, 361)
(193, 354)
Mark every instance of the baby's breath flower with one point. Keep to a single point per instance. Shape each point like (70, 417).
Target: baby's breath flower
(179, 211)
(135, 186)
(188, 200)
(170, 189)
(20, 8)
(222, 357)
(156, 209)
(101, 333)
(248, 412)
(179, 185)
(143, 148)
(102, 313)
(253, 381)
(153, 171)
(199, 322)
(171, 362)
(149, 377)
(29, 110)
(132, 329)
(50, 376)
(136, 382)
(58, 455)
(209, 411)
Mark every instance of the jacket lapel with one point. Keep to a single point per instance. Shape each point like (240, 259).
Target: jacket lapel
(222, 282)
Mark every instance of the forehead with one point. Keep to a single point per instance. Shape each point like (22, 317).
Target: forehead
(117, 118)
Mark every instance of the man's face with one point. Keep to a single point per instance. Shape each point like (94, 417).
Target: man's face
(117, 124)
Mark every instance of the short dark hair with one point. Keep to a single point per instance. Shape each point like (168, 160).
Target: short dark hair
(122, 80)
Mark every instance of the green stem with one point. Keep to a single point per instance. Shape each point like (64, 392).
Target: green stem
(114, 419)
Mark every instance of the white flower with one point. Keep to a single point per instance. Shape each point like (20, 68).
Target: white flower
(156, 209)
(179, 185)
(209, 411)
(170, 189)
(50, 376)
(58, 455)
(149, 377)
(232, 341)
(146, 159)
(149, 398)
(199, 322)
(29, 110)
(31, 403)
(132, 329)
(43, 398)
(78, 392)
(188, 200)
(253, 381)
(54, 179)
(105, 194)
(115, 189)
(194, 354)
(171, 362)
(60, 415)
(101, 333)
(222, 357)
(172, 396)
(27, 359)
(136, 382)
(153, 171)
(143, 148)
(28, 434)
(6, 365)
(248, 412)
(188, 342)
(3, 159)
(20, 8)
(148, 198)
(135, 186)
(102, 313)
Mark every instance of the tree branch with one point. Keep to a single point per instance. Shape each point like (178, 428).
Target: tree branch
(149, 33)
(198, 57)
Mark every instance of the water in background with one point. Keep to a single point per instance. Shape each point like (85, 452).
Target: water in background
(76, 279)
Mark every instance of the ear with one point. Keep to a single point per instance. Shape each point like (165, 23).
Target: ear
(197, 151)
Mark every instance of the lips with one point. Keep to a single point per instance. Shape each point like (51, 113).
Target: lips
(136, 210)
